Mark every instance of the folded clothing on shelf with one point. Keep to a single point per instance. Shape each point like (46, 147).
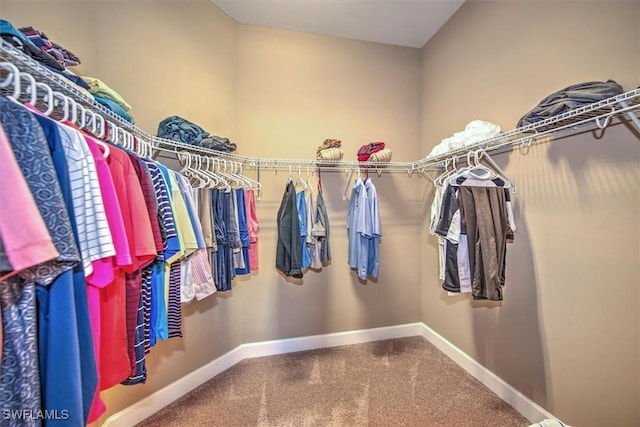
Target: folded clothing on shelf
(570, 98)
(367, 150)
(330, 150)
(65, 57)
(328, 143)
(383, 156)
(474, 132)
(176, 128)
(98, 87)
(11, 35)
(113, 106)
(218, 143)
(333, 153)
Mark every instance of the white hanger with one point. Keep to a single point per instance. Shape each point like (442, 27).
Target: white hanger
(300, 181)
(195, 168)
(255, 185)
(236, 167)
(309, 186)
(82, 116)
(73, 110)
(221, 176)
(13, 76)
(48, 96)
(94, 123)
(187, 171)
(236, 182)
(57, 96)
(503, 176)
(477, 171)
(31, 88)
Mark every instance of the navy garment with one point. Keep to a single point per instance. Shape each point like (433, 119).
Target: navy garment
(224, 254)
(288, 250)
(68, 361)
(139, 374)
(244, 233)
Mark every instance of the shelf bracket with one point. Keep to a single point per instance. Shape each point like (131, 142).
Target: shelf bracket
(630, 115)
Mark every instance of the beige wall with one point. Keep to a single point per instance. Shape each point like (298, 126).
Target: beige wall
(294, 90)
(567, 334)
(164, 57)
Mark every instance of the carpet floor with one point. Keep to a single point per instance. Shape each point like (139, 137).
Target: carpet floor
(396, 382)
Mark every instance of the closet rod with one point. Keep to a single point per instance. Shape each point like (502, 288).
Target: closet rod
(598, 114)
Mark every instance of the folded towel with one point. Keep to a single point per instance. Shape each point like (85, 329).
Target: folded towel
(383, 155)
(331, 154)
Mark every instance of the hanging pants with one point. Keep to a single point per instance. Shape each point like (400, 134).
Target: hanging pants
(484, 212)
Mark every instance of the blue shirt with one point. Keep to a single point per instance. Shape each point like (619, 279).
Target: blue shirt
(301, 203)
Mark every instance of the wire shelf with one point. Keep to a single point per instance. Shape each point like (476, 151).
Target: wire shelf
(596, 115)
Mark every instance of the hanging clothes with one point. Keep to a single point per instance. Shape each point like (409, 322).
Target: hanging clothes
(363, 223)
(288, 250)
(355, 221)
(23, 233)
(65, 354)
(476, 220)
(372, 233)
(301, 207)
(243, 229)
(483, 210)
(313, 246)
(321, 229)
(20, 373)
(253, 227)
(448, 229)
(224, 252)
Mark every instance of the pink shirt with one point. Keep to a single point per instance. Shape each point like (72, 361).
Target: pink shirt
(252, 226)
(104, 270)
(24, 234)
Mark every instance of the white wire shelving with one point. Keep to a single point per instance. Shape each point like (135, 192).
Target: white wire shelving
(590, 117)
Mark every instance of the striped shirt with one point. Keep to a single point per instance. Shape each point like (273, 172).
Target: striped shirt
(165, 212)
(174, 312)
(94, 235)
(139, 371)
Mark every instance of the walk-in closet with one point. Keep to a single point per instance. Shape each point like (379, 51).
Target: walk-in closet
(206, 221)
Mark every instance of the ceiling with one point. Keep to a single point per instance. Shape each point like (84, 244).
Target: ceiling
(408, 23)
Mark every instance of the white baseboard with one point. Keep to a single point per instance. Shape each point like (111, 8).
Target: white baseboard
(521, 403)
(163, 397)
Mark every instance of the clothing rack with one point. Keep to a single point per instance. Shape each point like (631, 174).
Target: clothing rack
(592, 116)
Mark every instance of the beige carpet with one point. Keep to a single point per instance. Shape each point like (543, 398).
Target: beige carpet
(397, 382)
